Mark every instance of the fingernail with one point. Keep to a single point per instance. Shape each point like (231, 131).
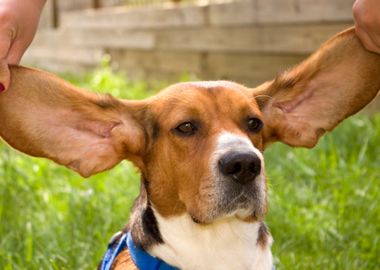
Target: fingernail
(2, 87)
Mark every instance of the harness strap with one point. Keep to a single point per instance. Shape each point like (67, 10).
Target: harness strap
(140, 257)
(113, 251)
(143, 260)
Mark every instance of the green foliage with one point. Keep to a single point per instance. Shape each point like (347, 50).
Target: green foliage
(104, 80)
(324, 211)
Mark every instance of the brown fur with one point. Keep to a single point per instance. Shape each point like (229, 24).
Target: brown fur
(263, 237)
(41, 115)
(332, 84)
(124, 261)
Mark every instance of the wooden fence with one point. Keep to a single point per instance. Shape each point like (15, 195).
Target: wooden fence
(247, 41)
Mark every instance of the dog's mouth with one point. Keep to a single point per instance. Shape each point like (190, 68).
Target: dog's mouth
(241, 212)
(246, 205)
(244, 202)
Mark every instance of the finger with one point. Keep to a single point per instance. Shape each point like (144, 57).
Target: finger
(367, 40)
(5, 44)
(374, 34)
(16, 52)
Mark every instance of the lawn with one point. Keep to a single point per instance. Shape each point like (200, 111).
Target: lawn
(324, 203)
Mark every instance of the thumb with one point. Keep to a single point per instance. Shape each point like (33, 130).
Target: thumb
(5, 76)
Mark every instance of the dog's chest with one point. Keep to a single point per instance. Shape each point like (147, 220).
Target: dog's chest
(225, 245)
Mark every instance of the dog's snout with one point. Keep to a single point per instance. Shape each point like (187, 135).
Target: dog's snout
(241, 167)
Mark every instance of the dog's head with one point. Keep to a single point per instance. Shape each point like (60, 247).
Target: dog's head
(205, 157)
(198, 145)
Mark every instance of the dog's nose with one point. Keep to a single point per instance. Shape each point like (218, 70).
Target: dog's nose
(241, 167)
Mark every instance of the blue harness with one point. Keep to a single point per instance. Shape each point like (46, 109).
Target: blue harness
(140, 257)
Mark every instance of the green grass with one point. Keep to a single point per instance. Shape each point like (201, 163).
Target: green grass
(324, 203)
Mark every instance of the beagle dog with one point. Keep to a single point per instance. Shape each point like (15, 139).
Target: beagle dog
(198, 146)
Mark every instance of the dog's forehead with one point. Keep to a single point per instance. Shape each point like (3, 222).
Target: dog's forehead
(208, 85)
(202, 90)
(205, 98)
(214, 84)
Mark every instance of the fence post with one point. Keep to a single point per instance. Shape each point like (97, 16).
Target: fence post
(96, 4)
(55, 14)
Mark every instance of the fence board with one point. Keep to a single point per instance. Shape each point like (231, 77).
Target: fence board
(248, 68)
(157, 60)
(136, 18)
(292, 39)
(303, 11)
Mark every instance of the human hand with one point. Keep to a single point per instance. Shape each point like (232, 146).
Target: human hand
(367, 23)
(18, 25)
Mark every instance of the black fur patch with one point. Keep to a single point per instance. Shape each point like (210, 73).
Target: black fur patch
(143, 224)
(150, 225)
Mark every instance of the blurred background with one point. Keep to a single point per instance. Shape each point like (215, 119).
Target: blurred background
(246, 41)
(324, 203)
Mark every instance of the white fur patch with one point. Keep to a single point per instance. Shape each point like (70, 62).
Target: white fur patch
(227, 244)
(228, 141)
(213, 84)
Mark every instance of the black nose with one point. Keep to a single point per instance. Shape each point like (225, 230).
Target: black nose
(241, 167)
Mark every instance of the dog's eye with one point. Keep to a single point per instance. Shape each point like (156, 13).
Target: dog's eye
(186, 129)
(254, 124)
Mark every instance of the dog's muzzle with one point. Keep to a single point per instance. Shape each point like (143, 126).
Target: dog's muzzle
(240, 185)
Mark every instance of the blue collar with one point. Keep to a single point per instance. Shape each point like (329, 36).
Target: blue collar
(140, 257)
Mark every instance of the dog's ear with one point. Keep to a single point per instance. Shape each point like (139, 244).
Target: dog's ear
(335, 82)
(42, 115)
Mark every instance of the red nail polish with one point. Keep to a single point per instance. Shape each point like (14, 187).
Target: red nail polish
(2, 88)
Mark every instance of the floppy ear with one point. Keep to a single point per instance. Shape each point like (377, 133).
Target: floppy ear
(338, 80)
(43, 116)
